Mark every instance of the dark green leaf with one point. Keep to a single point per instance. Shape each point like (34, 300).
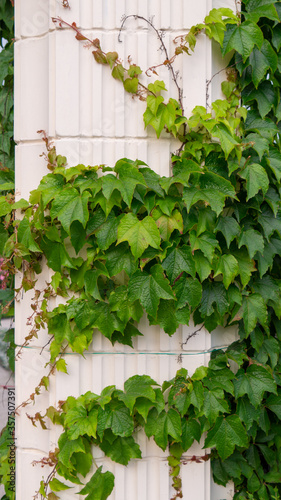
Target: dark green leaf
(225, 435)
(149, 288)
(177, 261)
(254, 383)
(121, 450)
(99, 486)
(242, 38)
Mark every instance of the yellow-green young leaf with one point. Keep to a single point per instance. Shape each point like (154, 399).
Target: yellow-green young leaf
(100, 486)
(131, 85)
(168, 224)
(228, 267)
(254, 311)
(118, 72)
(256, 178)
(100, 56)
(225, 435)
(139, 233)
(5, 207)
(57, 485)
(61, 365)
(111, 58)
(52, 496)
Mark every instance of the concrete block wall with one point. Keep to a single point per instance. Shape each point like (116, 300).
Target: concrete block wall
(59, 88)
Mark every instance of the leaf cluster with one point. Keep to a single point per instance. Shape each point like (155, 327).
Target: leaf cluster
(123, 241)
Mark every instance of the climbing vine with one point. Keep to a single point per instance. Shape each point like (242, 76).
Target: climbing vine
(123, 241)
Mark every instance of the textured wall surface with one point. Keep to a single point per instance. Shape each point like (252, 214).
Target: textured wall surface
(59, 88)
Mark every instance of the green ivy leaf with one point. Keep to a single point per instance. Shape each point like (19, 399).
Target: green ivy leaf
(206, 242)
(91, 282)
(203, 267)
(262, 60)
(213, 294)
(129, 177)
(131, 85)
(254, 382)
(229, 227)
(120, 258)
(190, 430)
(120, 302)
(188, 291)
(163, 425)
(214, 405)
(270, 223)
(136, 387)
(99, 486)
(256, 178)
(228, 267)
(247, 412)
(258, 143)
(254, 311)
(264, 95)
(107, 232)
(69, 206)
(256, 10)
(68, 448)
(56, 255)
(80, 422)
(253, 240)
(149, 288)
(225, 435)
(56, 485)
(121, 450)
(139, 233)
(179, 260)
(245, 264)
(25, 236)
(227, 137)
(168, 224)
(274, 404)
(242, 38)
(115, 416)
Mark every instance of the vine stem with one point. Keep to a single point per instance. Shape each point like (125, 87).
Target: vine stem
(191, 335)
(163, 47)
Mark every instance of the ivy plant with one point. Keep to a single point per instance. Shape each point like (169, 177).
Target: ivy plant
(123, 241)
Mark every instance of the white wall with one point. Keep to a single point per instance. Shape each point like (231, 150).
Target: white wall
(60, 88)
